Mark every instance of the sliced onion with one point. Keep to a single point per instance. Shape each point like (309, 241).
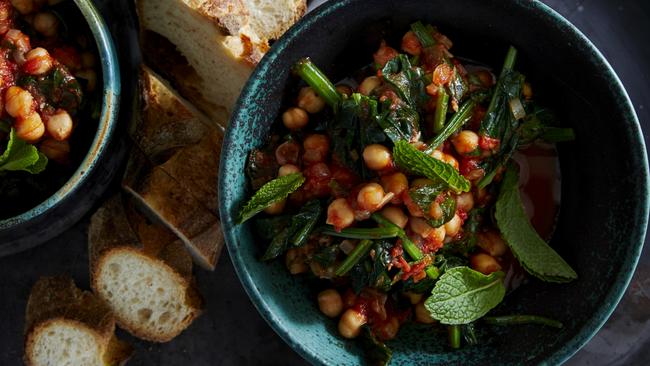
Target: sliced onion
(517, 108)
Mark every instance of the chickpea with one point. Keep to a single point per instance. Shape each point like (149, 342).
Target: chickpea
(330, 303)
(451, 161)
(369, 84)
(38, 61)
(88, 60)
(18, 102)
(30, 128)
(287, 152)
(59, 125)
(350, 323)
(20, 43)
(58, 151)
(276, 208)
(46, 23)
(344, 89)
(422, 315)
(465, 142)
(90, 76)
(435, 211)
(413, 297)
(295, 118)
(420, 227)
(287, 169)
(294, 262)
(316, 148)
(438, 154)
(377, 157)
(452, 227)
(395, 215)
(397, 183)
(340, 214)
(438, 234)
(465, 201)
(24, 6)
(310, 101)
(370, 197)
(484, 263)
(492, 243)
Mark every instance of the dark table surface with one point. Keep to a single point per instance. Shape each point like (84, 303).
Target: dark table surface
(231, 332)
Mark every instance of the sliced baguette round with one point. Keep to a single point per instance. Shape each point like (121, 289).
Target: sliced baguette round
(67, 326)
(149, 298)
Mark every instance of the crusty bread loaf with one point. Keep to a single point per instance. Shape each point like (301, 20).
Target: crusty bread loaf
(214, 44)
(147, 284)
(66, 326)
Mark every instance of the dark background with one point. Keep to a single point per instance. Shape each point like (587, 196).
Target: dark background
(232, 333)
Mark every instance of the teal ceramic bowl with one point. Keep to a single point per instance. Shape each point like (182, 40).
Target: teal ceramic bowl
(604, 210)
(81, 187)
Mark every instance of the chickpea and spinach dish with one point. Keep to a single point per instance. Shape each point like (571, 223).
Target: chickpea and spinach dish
(46, 67)
(398, 193)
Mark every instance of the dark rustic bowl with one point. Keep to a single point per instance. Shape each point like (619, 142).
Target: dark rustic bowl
(604, 212)
(87, 183)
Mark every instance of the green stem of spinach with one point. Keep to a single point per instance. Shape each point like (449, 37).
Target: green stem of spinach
(362, 233)
(441, 110)
(360, 251)
(454, 336)
(313, 76)
(423, 34)
(508, 64)
(522, 319)
(457, 121)
(409, 247)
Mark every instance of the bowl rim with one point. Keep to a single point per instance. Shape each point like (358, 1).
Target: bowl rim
(107, 121)
(621, 281)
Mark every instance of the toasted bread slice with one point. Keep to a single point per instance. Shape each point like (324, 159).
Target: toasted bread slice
(169, 201)
(148, 285)
(174, 135)
(67, 326)
(207, 48)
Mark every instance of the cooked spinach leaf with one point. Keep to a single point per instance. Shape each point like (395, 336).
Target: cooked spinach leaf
(377, 353)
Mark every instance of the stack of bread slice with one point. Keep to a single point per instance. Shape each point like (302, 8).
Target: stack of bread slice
(68, 326)
(173, 167)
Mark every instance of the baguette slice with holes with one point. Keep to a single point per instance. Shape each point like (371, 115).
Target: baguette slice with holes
(148, 284)
(68, 327)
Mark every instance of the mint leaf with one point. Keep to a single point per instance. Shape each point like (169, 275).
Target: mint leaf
(463, 295)
(417, 162)
(21, 155)
(537, 257)
(270, 193)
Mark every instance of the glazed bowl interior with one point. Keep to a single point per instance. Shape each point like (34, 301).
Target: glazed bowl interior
(604, 205)
(61, 203)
